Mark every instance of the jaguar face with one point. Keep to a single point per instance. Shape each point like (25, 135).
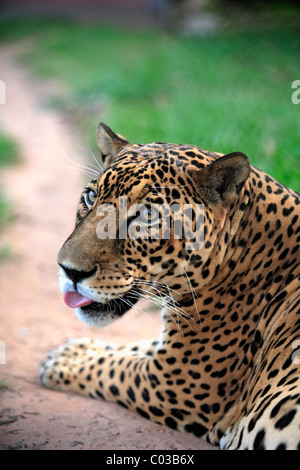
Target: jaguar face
(148, 225)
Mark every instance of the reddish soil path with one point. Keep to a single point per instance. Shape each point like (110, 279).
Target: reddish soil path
(33, 318)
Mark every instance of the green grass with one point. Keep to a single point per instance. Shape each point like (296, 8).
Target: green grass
(225, 92)
(8, 150)
(3, 384)
(8, 155)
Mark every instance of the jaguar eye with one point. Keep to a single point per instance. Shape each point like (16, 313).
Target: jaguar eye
(150, 214)
(90, 197)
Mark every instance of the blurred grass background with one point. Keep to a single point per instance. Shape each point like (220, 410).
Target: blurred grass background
(8, 155)
(224, 91)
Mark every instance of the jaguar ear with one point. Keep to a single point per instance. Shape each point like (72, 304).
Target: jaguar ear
(223, 179)
(109, 143)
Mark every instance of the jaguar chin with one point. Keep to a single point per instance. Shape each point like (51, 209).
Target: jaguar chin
(100, 314)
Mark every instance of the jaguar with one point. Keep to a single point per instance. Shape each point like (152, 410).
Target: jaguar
(225, 367)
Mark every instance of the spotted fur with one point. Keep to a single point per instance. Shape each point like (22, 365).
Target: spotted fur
(225, 367)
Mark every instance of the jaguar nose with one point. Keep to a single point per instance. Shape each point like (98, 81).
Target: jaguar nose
(77, 276)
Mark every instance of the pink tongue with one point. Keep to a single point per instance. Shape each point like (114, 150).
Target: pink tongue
(74, 299)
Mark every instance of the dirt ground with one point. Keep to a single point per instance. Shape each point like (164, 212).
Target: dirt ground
(33, 317)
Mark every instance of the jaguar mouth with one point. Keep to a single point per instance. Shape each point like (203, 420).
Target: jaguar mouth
(114, 308)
